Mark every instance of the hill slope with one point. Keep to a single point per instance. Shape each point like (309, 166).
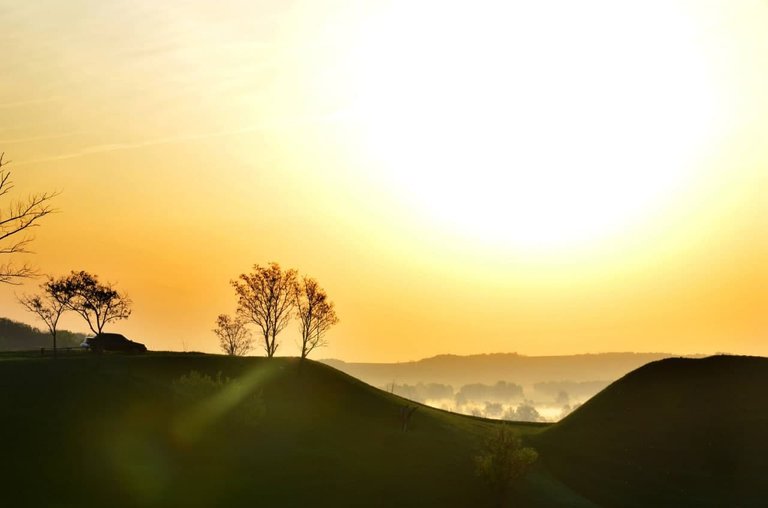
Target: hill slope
(676, 432)
(125, 431)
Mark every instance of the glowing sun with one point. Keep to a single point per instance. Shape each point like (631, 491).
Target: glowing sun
(533, 124)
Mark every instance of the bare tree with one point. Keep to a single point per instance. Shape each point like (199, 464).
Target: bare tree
(234, 337)
(16, 219)
(47, 307)
(97, 303)
(266, 299)
(315, 313)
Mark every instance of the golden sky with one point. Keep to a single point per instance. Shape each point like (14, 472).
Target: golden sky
(540, 177)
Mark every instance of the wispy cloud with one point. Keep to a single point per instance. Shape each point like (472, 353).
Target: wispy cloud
(330, 118)
(28, 102)
(44, 137)
(113, 147)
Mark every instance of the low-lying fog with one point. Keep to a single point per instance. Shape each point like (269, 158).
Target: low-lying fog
(541, 402)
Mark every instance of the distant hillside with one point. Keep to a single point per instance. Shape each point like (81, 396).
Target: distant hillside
(490, 368)
(15, 336)
(676, 432)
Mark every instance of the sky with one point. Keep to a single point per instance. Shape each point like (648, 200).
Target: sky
(536, 177)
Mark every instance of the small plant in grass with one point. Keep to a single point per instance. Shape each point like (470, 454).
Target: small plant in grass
(195, 386)
(207, 399)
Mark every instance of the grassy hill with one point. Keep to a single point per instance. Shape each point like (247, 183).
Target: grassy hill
(115, 430)
(676, 432)
(86, 430)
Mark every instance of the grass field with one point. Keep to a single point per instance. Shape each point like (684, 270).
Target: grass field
(86, 430)
(121, 430)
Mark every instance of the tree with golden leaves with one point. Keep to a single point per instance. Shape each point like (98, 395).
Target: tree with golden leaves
(266, 298)
(315, 312)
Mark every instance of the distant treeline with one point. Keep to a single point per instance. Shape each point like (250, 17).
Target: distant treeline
(574, 389)
(502, 391)
(500, 400)
(15, 336)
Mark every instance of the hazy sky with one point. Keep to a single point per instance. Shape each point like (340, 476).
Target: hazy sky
(468, 177)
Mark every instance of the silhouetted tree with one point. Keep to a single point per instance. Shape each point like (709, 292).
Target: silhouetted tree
(266, 298)
(504, 460)
(315, 313)
(97, 303)
(234, 337)
(47, 307)
(15, 219)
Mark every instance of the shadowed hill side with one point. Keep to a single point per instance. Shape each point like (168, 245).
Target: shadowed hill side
(109, 430)
(16, 336)
(677, 432)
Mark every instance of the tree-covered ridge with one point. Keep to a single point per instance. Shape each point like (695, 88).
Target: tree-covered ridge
(15, 336)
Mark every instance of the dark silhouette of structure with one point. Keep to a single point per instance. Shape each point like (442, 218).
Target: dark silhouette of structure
(114, 342)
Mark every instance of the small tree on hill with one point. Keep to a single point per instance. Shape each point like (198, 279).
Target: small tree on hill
(503, 461)
(47, 307)
(315, 313)
(97, 303)
(234, 337)
(16, 218)
(266, 298)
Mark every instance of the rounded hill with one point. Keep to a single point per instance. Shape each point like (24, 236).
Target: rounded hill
(676, 432)
(172, 429)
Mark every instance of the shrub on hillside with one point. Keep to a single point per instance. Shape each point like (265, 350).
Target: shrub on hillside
(503, 461)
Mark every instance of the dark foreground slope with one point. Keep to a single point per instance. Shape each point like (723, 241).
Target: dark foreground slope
(120, 431)
(677, 432)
